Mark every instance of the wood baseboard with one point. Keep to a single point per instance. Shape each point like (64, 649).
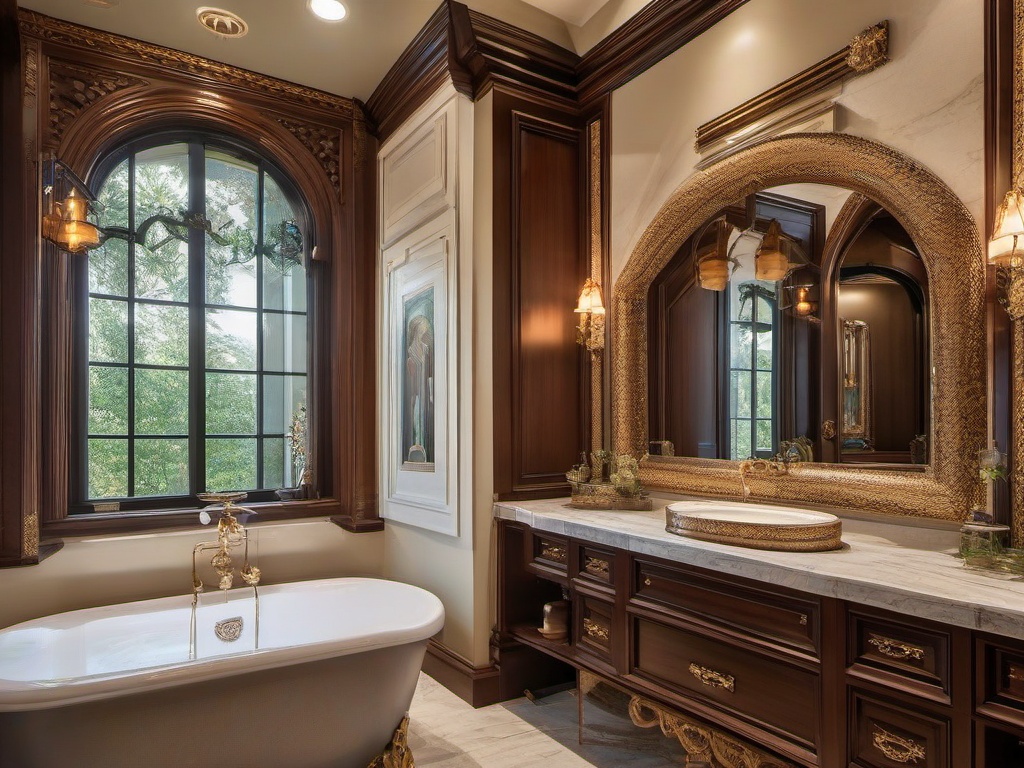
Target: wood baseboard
(476, 685)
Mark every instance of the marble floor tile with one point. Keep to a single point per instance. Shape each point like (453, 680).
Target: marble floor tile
(446, 732)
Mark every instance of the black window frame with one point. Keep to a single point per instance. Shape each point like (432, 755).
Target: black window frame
(80, 505)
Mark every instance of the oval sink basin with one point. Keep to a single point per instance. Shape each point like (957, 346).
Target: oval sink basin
(759, 526)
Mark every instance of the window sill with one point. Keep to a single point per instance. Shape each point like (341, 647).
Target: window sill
(101, 523)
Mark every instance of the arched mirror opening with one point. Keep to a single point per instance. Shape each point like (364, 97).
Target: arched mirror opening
(793, 323)
(194, 348)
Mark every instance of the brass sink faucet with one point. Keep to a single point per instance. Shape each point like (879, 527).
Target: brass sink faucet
(760, 467)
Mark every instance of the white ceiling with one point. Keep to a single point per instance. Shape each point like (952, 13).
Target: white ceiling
(348, 58)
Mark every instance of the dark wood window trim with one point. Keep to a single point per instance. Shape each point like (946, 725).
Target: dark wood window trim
(132, 88)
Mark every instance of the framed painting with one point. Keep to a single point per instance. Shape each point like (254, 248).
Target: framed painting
(417, 376)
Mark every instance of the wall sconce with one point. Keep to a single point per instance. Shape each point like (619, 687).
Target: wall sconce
(66, 202)
(590, 308)
(1005, 254)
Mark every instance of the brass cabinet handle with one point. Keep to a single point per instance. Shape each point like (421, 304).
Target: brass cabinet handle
(553, 552)
(594, 629)
(897, 748)
(895, 649)
(647, 581)
(597, 566)
(803, 619)
(713, 679)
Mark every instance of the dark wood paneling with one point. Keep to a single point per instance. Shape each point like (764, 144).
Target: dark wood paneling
(539, 266)
(999, 60)
(19, 440)
(662, 27)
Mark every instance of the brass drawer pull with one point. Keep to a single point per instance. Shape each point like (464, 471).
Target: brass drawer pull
(713, 679)
(897, 748)
(553, 552)
(597, 566)
(593, 629)
(647, 581)
(803, 619)
(894, 649)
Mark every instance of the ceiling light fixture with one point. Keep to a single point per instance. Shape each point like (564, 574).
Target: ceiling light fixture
(328, 10)
(222, 23)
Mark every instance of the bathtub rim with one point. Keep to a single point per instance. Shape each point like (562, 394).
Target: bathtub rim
(26, 696)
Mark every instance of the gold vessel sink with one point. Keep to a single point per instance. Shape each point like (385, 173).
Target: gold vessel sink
(758, 526)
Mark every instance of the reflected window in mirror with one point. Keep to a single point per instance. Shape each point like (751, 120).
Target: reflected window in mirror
(753, 430)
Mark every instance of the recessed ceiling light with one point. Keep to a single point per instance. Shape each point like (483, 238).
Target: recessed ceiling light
(221, 22)
(328, 10)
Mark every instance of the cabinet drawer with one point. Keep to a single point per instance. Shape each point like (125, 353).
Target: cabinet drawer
(1001, 681)
(783, 619)
(596, 565)
(763, 690)
(548, 555)
(901, 655)
(888, 735)
(594, 628)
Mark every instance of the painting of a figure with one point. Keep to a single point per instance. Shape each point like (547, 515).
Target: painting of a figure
(418, 381)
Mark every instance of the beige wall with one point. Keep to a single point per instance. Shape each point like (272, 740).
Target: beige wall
(103, 570)
(927, 102)
(457, 568)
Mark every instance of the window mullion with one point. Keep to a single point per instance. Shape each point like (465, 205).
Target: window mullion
(197, 320)
(131, 325)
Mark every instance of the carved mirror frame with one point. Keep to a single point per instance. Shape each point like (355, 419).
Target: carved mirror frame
(950, 246)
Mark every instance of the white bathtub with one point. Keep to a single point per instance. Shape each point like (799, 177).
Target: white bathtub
(114, 687)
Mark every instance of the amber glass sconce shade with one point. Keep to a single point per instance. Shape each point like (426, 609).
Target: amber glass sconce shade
(714, 266)
(590, 308)
(771, 263)
(67, 204)
(1005, 253)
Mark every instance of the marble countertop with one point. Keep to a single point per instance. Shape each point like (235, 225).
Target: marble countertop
(907, 569)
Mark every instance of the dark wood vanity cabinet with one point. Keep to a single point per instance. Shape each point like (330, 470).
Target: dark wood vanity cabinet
(813, 680)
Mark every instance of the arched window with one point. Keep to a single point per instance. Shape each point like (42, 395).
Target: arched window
(193, 355)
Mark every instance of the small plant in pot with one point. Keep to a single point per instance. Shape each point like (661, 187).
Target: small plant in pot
(302, 475)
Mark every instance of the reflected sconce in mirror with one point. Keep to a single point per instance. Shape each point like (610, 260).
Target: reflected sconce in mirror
(1007, 255)
(770, 263)
(801, 301)
(590, 308)
(67, 203)
(713, 263)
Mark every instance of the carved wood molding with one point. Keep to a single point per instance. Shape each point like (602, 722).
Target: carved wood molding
(139, 53)
(662, 27)
(477, 51)
(700, 741)
(74, 88)
(866, 52)
(323, 142)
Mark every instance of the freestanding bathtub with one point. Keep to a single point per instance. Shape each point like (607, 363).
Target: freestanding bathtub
(114, 687)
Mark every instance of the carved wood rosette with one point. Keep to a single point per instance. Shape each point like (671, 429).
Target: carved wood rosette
(75, 88)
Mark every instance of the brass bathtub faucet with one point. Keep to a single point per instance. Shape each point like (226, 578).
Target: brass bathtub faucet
(230, 535)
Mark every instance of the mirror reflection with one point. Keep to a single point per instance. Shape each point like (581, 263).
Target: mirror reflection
(793, 323)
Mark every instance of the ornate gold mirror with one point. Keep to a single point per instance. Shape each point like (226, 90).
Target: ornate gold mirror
(920, 216)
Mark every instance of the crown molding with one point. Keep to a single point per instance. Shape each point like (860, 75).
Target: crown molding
(479, 52)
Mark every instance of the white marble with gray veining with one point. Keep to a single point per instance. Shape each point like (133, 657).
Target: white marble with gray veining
(902, 568)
